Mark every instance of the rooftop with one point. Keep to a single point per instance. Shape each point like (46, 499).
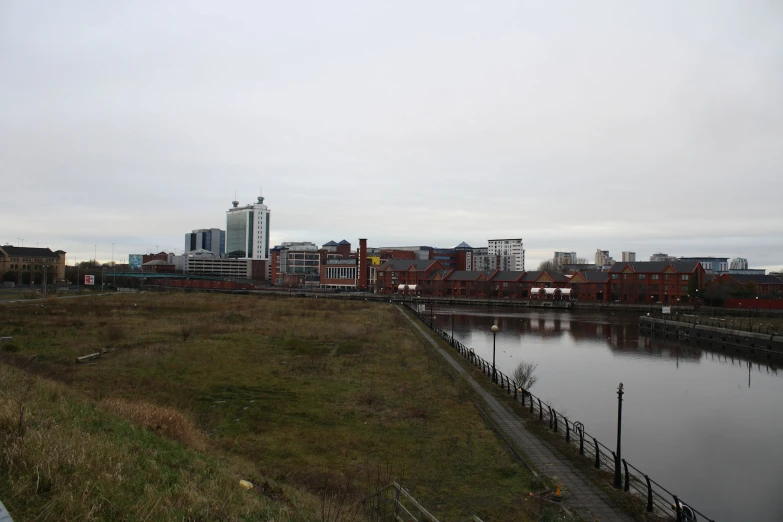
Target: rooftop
(655, 267)
(28, 251)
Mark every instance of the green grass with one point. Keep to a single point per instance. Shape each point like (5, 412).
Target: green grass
(318, 395)
(70, 459)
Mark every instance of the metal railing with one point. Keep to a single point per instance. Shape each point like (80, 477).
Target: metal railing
(394, 502)
(658, 499)
(739, 324)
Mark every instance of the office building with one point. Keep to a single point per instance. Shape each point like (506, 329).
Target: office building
(247, 231)
(212, 239)
(629, 257)
(27, 265)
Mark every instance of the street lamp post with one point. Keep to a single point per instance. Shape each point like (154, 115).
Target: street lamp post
(494, 334)
(452, 324)
(618, 482)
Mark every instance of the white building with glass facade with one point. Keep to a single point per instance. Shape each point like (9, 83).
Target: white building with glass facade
(247, 231)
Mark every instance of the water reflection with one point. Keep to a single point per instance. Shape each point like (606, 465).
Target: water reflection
(619, 332)
(692, 413)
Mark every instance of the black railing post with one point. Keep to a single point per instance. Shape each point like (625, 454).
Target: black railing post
(649, 494)
(531, 404)
(677, 508)
(540, 411)
(568, 430)
(618, 479)
(627, 477)
(579, 427)
(597, 454)
(516, 388)
(555, 415)
(494, 334)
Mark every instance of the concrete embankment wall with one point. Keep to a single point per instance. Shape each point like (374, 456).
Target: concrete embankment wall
(769, 344)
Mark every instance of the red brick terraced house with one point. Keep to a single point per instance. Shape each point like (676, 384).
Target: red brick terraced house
(590, 286)
(464, 283)
(532, 283)
(507, 283)
(395, 275)
(667, 282)
(735, 285)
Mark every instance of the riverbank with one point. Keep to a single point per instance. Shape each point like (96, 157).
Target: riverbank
(320, 399)
(765, 344)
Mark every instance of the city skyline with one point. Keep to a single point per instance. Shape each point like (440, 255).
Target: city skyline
(652, 128)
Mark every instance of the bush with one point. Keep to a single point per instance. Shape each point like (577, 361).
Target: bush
(524, 375)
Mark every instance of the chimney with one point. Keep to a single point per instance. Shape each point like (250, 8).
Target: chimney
(364, 282)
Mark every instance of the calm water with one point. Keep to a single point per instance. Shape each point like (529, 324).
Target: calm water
(704, 426)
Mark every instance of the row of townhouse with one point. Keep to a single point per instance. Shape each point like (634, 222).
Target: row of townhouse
(638, 282)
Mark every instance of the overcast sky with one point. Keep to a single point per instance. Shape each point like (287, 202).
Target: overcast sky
(644, 126)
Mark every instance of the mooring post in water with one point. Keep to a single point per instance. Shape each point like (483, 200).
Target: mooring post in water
(618, 479)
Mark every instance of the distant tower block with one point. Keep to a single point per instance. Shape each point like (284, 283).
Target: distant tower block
(247, 230)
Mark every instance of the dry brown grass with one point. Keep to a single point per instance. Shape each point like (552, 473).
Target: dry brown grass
(75, 461)
(308, 391)
(160, 419)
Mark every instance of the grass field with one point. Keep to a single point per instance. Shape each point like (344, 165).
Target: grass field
(321, 398)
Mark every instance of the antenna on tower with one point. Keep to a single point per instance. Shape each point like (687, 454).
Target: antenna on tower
(235, 202)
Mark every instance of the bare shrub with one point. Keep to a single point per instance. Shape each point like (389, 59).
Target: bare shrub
(160, 419)
(524, 375)
(186, 332)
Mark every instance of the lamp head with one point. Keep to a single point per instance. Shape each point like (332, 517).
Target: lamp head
(494, 328)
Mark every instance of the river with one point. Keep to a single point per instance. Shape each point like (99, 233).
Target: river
(703, 424)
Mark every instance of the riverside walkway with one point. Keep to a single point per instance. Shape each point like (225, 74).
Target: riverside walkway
(582, 495)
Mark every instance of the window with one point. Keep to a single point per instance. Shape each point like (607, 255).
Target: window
(684, 288)
(642, 276)
(615, 276)
(654, 276)
(654, 288)
(684, 277)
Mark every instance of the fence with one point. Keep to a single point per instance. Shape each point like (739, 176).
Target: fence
(394, 502)
(740, 324)
(658, 499)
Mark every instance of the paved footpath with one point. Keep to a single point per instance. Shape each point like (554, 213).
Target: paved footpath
(583, 496)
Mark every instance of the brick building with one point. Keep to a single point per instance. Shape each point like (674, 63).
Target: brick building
(666, 282)
(397, 273)
(739, 285)
(590, 285)
(25, 265)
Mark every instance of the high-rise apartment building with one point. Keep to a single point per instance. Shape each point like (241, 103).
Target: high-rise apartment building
(212, 239)
(602, 258)
(563, 258)
(247, 230)
(629, 257)
(513, 248)
(659, 256)
(739, 263)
